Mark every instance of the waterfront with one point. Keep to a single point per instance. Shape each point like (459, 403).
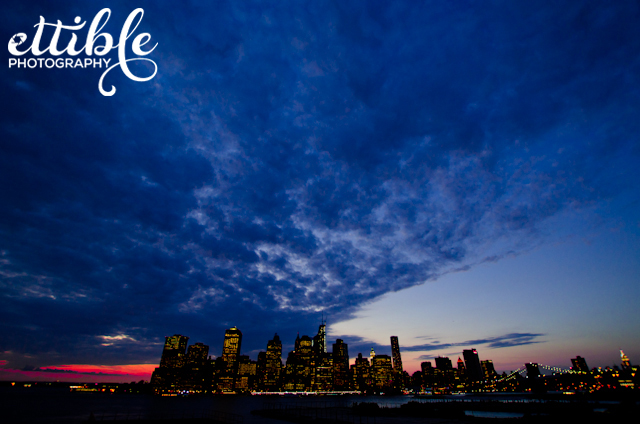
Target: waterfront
(58, 405)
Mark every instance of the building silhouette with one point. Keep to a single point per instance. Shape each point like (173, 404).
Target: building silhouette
(196, 372)
(173, 354)
(324, 378)
(579, 364)
(472, 365)
(428, 373)
(443, 363)
(270, 379)
(488, 369)
(181, 369)
(340, 365)
(226, 366)
(361, 373)
(382, 372)
(300, 367)
(398, 371)
(461, 368)
(231, 348)
(395, 354)
(626, 364)
(247, 372)
(320, 340)
(188, 369)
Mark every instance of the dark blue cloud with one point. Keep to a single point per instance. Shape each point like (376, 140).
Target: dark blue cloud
(293, 158)
(507, 340)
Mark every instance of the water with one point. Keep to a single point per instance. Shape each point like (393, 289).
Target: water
(37, 405)
(491, 414)
(54, 405)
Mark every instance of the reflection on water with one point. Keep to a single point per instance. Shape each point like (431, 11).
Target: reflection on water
(58, 405)
(491, 414)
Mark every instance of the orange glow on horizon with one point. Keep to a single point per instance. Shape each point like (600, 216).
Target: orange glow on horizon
(82, 373)
(142, 370)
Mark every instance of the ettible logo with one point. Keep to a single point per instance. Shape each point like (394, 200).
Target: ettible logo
(91, 48)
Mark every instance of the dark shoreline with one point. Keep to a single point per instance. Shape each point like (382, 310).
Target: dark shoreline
(529, 412)
(53, 405)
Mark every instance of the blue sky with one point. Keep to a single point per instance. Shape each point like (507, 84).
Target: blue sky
(446, 172)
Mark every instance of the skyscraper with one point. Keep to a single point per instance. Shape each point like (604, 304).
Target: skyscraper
(197, 372)
(427, 373)
(395, 353)
(361, 373)
(382, 372)
(472, 362)
(197, 353)
(443, 363)
(320, 340)
(173, 354)
(231, 348)
(324, 379)
(461, 368)
(579, 364)
(340, 365)
(488, 369)
(273, 364)
(626, 364)
(247, 370)
(166, 377)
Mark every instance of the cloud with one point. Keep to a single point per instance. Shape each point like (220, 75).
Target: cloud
(288, 160)
(507, 340)
(117, 339)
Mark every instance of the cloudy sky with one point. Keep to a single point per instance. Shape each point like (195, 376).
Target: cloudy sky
(459, 174)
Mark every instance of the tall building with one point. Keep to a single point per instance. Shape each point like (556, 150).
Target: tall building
(231, 348)
(461, 368)
(301, 364)
(180, 369)
(197, 353)
(398, 371)
(443, 363)
(473, 367)
(320, 340)
(324, 379)
(197, 372)
(247, 370)
(272, 365)
(340, 365)
(626, 364)
(361, 373)
(173, 354)
(444, 375)
(382, 372)
(579, 364)
(395, 353)
(488, 369)
(427, 373)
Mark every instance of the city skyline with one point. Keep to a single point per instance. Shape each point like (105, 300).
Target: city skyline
(310, 368)
(230, 352)
(457, 175)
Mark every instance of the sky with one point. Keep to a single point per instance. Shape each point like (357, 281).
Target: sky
(458, 174)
